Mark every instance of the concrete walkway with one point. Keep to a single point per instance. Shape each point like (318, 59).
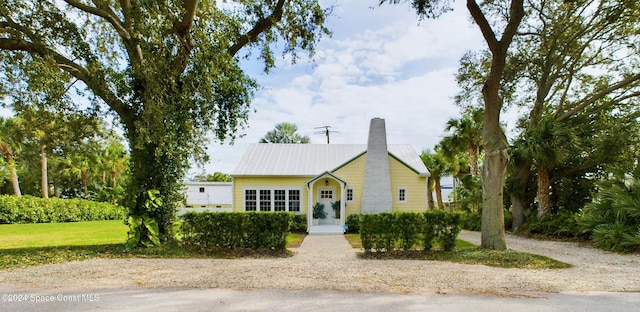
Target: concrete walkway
(325, 247)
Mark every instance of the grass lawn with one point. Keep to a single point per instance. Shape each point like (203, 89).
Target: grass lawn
(294, 240)
(62, 234)
(23, 245)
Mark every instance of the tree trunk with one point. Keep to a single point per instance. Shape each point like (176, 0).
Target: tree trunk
(152, 170)
(544, 204)
(473, 160)
(495, 164)
(14, 176)
(85, 184)
(496, 159)
(438, 189)
(493, 172)
(113, 179)
(518, 192)
(430, 187)
(43, 172)
(495, 143)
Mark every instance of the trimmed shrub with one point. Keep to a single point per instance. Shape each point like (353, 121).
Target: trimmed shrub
(353, 223)
(299, 223)
(408, 227)
(377, 231)
(29, 209)
(448, 230)
(254, 230)
(384, 230)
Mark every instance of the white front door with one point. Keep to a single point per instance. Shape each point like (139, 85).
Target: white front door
(326, 196)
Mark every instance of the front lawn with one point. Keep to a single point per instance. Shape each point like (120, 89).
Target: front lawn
(62, 234)
(23, 245)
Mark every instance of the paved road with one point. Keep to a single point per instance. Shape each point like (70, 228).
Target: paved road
(158, 300)
(334, 247)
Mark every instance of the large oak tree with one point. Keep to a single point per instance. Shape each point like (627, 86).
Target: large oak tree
(495, 142)
(168, 70)
(574, 68)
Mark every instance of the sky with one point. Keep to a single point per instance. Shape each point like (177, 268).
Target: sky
(380, 62)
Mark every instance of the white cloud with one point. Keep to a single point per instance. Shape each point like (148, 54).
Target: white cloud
(379, 63)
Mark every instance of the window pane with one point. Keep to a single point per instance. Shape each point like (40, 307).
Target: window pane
(402, 195)
(349, 194)
(294, 200)
(280, 200)
(250, 200)
(326, 194)
(265, 200)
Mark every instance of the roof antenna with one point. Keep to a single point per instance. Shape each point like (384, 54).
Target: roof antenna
(326, 131)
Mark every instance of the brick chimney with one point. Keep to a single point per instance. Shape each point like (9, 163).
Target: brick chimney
(376, 189)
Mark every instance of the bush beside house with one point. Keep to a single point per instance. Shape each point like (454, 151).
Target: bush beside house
(253, 230)
(385, 231)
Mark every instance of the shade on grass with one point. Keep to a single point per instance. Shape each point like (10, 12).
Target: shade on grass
(62, 234)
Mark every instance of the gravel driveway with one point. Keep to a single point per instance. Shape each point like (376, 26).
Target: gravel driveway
(328, 262)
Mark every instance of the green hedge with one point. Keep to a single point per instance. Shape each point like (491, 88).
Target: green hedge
(353, 223)
(299, 224)
(29, 209)
(254, 230)
(385, 231)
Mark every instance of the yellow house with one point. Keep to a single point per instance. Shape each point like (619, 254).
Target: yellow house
(355, 179)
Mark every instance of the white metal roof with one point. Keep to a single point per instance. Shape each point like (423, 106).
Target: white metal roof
(408, 155)
(312, 159)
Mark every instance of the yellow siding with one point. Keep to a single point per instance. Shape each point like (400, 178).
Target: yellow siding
(415, 185)
(242, 183)
(353, 174)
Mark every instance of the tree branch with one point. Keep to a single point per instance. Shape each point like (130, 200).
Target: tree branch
(132, 47)
(182, 30)
(101, 13)
(261, 26)
(96, 84)
(485, 27)
(516, 13)
(597, 96)
(572, 171)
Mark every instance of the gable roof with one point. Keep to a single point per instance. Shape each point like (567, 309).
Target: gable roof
(313, 159)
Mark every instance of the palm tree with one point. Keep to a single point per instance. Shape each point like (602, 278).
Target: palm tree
(8, 148)
(466, 136)
(547, 145)
(438, 166)
(284, 133)
(113, 160)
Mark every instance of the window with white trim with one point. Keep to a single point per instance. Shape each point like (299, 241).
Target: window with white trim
(402, 195)
(294, 200)
(265, 200)
(250, 200)
(349, 195)
(326, 194)
(279, 200)
(268, 199)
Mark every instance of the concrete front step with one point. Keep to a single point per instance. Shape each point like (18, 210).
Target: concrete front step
(326, 229)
